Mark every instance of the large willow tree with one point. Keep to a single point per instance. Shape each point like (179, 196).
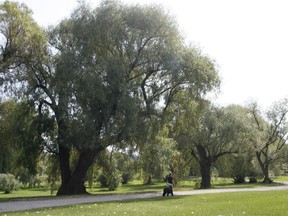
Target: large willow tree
(101, 75)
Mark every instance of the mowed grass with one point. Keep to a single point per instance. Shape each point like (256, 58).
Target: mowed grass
(268, 203)
(26, 193)
(42, 193)
(135, 187)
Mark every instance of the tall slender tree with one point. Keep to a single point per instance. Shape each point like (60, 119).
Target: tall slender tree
(270, 134)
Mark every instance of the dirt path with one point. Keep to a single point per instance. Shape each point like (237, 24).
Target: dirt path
(64, 201)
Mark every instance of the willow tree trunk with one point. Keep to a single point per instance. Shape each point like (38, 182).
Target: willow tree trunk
(205, 167)
(264, 167)
(64, 158)
(74, 184)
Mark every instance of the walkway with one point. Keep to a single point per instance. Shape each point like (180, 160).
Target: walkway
(65, 201)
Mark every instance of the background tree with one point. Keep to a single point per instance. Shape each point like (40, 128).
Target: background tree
(125, 163)
(111, 175)
(208, 133)
(160, 157)
(29, 129)
(237, 166)
(284, 160)
(105, 72)
(21, 140)
(23, 42)
(8, 147)
(269, 134)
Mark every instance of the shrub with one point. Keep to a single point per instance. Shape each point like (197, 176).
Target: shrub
(9, 183)
(103, 181)
(110, 180)
(238, 179)
(252, 180)
(197, 184)
(114, 181)
(126, 178)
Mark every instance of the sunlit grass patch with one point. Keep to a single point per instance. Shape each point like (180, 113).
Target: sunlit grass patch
(272, 203)
(281, 178)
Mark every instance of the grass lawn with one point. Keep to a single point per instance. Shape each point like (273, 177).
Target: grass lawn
(225, 204)
(281, 178)
(42, 193)
(136, 187)
(25, 194)
(245, 203)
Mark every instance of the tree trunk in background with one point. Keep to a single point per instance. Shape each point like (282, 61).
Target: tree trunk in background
(149, 180)
(265, 168)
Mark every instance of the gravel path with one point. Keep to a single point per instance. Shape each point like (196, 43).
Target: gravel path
(64, 201)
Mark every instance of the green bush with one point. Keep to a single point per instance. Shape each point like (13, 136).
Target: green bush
(197, 184)
(9, 183)
(110, 180)
(114, 181)
(103, 181)
(238, 179)
(126, 177)
(252, 180)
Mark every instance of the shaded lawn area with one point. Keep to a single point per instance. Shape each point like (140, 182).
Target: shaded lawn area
(134, 187)
(272, 203)
(44, 193)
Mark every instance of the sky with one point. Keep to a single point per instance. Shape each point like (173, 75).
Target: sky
(247, 39)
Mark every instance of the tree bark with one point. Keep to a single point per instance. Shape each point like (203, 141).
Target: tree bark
(264, 167)
(205, 167)
(75, 184)
(64, 160)
(149, 180)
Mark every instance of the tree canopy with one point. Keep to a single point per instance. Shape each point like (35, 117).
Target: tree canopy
(100, 75)
(206, 133)
(270, 133)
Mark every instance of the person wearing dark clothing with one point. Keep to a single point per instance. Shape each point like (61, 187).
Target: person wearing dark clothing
(170, 179)
(169, 187)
